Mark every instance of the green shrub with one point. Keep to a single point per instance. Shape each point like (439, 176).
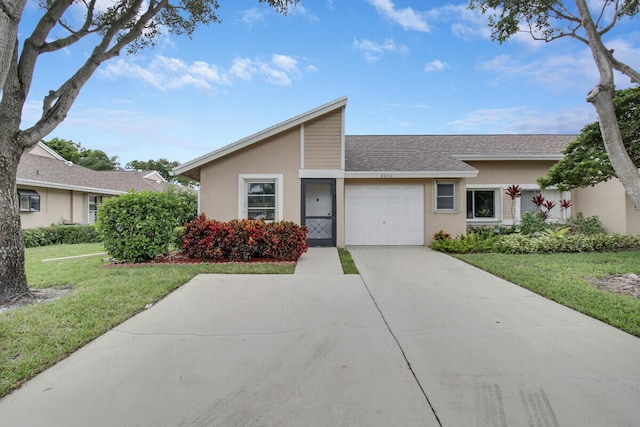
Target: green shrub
(242, 240)
(470, 243)
(519, 244)
(34, 237)
(585, 225)
(137, 227)
(59, 235)
(532, 223)
(491, 230)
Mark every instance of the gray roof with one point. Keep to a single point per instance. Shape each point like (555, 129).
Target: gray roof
(43, 171)
(446, 153)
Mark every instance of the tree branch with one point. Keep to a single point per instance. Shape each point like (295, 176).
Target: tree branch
(633, 75)
(75, 34)
(57, 104)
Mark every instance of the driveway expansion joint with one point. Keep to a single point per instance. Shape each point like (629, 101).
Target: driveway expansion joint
(404, 355)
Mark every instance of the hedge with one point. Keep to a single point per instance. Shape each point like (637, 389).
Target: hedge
(243, 240)
(59, 235)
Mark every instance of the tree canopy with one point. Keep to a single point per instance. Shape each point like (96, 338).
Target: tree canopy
(73, 151)
(586, 162)
(162, 166)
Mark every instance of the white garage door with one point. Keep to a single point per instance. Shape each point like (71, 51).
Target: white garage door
(384, 215)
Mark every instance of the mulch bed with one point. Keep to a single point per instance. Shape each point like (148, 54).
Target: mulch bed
(177, 258)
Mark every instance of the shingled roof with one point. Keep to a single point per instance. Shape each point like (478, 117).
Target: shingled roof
(41, 171)
(446, 153)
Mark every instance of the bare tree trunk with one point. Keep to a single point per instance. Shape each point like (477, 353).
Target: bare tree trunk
(602, 99)
(13, 280)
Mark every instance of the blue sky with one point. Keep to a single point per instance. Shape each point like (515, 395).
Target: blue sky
(408, 67)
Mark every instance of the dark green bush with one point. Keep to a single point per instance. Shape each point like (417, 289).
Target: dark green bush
(137, 227)
(532, 223)
(463, 244)
(585, 225)
(59, 235)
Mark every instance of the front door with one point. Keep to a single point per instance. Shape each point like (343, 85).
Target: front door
(318, 211)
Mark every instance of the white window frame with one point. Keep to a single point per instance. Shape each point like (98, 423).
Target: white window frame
(566, 195)
(455, 197)
(497, 203)
(244, 179)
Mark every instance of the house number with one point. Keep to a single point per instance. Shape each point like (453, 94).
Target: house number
(386, 175)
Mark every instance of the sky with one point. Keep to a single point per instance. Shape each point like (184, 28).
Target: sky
(407, 67)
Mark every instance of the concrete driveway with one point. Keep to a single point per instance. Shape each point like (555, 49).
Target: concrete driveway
(419, 339)
(489, 353)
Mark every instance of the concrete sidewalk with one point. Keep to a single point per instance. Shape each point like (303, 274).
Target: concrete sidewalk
(324, 261)
(489, 353)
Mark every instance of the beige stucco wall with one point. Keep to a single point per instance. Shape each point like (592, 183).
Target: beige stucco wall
(55, 208)
(509, 172)
(633, 217)
(58, 207)
(39, 151)
(279, 154)
(452, 222)
(323, 142)
(610, 203)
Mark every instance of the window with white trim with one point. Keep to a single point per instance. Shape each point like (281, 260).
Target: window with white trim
(94, 203)
(481, 204)
(445, 196)
(261, 200)
(260, 197)
(527, 204)
(29, 201)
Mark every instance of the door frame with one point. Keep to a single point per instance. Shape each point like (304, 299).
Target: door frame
(331, 242)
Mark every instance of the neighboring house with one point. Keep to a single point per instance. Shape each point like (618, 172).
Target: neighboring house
(388, 189)
(55, 191)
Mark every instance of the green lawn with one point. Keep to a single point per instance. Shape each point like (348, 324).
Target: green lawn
(34, 338)
(565, 278)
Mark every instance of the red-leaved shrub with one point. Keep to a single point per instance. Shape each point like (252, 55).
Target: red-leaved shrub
(242, 240)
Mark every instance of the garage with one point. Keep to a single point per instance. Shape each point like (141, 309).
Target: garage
(384, 215)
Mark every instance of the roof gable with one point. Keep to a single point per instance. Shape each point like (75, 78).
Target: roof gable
(195, 164)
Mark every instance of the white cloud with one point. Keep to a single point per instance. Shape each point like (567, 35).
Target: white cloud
(251, 16)
(166, 73)
(407, 18)
(435, 65)
(243, 68)
(518, 120)
(285, 62)
(373, 51)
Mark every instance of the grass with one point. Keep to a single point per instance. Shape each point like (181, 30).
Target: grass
(565, 278)
(35, 337)
(348, 266)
